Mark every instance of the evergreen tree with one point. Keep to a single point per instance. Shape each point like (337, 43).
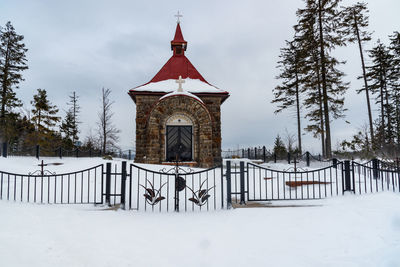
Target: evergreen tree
(318, 33)
(394, 81)
(67, 128)
(12, 63)
(378, 75)
(311, 76)
(279, 147)
(69, 125)
(287, 95)
(354, 24)
(44, 117)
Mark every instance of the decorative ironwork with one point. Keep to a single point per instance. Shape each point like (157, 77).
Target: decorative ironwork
(42, 171)
(152, 195)
(180, 182)
(200, 197)
(295, 168)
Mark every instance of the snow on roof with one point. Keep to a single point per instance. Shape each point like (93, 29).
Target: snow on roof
(177, 93)
(190, 85)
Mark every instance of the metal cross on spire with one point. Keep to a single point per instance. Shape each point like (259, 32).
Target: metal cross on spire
(178, 16)
(180, 81)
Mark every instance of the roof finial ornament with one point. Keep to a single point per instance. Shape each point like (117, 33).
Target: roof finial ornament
(177, 17)
(180, 81)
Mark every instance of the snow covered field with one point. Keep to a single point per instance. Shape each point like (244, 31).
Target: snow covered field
(342, 231)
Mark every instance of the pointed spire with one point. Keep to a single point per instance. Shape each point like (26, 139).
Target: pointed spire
(178, 45)
(178, 34)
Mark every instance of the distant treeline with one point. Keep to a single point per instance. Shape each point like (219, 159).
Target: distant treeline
(40, 124)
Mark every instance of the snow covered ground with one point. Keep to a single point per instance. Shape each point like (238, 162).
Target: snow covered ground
(342, 231)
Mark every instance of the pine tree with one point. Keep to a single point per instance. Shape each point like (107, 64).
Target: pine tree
(354, 24)
(69, 125)
(108, 133)
(287, 95)
(12, 63)
(279, 147)
(318, 32)
(394, 81)
(311, 76)
(329, 38)
(44, 117)
(67, 128)
(378, 77)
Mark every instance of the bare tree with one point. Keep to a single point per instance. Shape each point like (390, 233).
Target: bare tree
(290, 141)
(108, 133)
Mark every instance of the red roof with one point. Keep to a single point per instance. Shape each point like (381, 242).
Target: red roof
(175, 66)
(178, 64)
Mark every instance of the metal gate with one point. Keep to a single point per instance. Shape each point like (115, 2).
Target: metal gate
(176, 188)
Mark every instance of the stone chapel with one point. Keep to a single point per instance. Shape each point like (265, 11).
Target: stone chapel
(178, 113)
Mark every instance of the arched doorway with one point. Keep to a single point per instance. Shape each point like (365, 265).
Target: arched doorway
(179, 138)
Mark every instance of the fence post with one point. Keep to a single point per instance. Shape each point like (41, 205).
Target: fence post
(274, 157)
(242, 153)
(108, 183)
(123, 184)
(264, 154)
(60, 152)
(4, 150)
(242, 186)
(375, 168)
(130, 154)
(347, 179)
(308, 158)
(37, 151)
(228, 185)
(248, 153)
(288, 158)
(319, 157)
(334, 163)
(255, 153)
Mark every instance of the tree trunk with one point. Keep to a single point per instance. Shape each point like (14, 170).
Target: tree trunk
(371, 126)
(397, 120)
(382, 111)
(321, 119)
(389, 123)
(298, 115)
(4, 92)
(104, 123)
(328, 147)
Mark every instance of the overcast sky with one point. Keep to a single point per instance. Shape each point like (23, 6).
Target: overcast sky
(83, 46)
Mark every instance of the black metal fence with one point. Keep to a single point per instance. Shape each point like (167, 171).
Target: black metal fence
(38, 152)
(177, 188)
(81, 187)
(173, 188)
(264, 155)
(251, 182)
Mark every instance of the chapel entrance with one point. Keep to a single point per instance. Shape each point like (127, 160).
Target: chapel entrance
(179, 143)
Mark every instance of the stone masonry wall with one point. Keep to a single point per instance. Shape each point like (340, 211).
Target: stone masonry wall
(151, 117)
